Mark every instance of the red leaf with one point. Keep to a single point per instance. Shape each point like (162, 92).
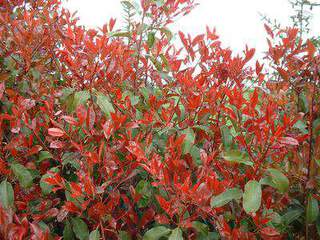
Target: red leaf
(70, 120)
(2, 87)
(35, 149)
(165, 205)
(91, 118)
(289, 141)
(147, 217)
(269, 30)
(75, 189)
(71, 207)
(183, 39)
(283, 73)
(254, 98)
(249, 54)
(269, 233)
(107, 129)
(56, 144)
(98, 211)
(310, 48)
(55, 132)
(136, 150)
(81, 113)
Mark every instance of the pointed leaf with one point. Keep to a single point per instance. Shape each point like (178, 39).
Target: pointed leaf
(151, 39)
(55, 132)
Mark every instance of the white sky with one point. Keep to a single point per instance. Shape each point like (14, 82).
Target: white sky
(237, 21)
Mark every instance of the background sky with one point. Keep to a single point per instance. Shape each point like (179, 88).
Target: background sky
(237, 21)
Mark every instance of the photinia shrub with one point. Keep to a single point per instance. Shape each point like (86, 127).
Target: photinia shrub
(120, 134)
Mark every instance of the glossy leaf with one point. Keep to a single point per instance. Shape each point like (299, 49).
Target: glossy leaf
(44, 155)
(94, 235)
(188, 140)
(80, 228)
(56, 132)
(105, 104)
(22, 174)
(312, 209)
(176, 234)
(252, 196)
(67, 232)
(6, 194)
(280, 181)
(225, 197)
(235, 156)
(156, 233)
(226, 137)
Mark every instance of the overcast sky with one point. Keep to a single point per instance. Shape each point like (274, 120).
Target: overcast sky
(237, 21)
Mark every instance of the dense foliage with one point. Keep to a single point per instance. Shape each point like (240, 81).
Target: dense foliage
(111, 134)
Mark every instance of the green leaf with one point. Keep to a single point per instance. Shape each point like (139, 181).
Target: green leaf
(195, 154)
(67, 232)
(291, 215)
(225, 197)
(318, 225)
(127, 4)
(144, 188)
(6, 194)
(72, 159)
(120, 34)
(176, 234)
(80, 228)
(94, 235)
(151, 39)
(156, 63)
(22, 174)
(156, 233)
(167, 32)
(252, 196)
(80, 98)
(236, 156)
(188, 140)
(267, 180)
(301, 126)
(226, 137)
(164, 61)
(279, 180)
(312, 210)
(35, 74)
(43, 155)
(105, 104)
(124, 235)
(303, 103)
(200, 227)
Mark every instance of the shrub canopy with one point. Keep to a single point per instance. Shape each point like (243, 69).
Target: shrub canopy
(119, 134)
